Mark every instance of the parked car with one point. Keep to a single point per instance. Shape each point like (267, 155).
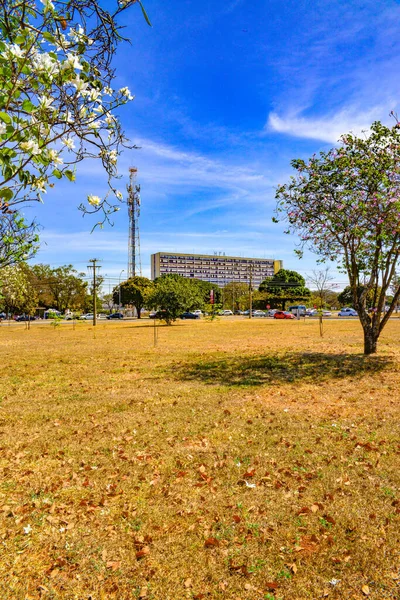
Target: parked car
(283, 314)
(311, 312)
(197, 312)
(326, 313)
(3, 315)
(157, 314)
(298, 310)
(25, 318)
(189, 315)
(116, 315)
(272, 311)
(348, 312)
(259, 313)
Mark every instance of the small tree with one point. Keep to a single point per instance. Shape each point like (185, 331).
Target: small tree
(345, 205)
(173, 296)
(322, 282)
(285, 286)
(133, 291)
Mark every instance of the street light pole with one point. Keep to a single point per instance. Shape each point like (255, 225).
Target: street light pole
(119, 288)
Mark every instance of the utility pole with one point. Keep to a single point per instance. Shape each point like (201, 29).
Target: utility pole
(94, 266)
(250, 291)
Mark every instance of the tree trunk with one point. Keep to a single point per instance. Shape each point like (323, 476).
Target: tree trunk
(370, 341)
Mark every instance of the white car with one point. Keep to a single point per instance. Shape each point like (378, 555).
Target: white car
(197, 312)
(226, 313)
(258, 313)
(348, 312)
(87, 317)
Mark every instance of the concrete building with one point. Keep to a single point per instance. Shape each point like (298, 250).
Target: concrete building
(217, 268)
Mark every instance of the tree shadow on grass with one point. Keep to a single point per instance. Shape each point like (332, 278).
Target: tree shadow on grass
(290, 367)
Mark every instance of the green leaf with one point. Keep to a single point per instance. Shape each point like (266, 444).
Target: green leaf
(28, 106)
(145, 14)
(6, 194)
(69, 175)
(5, 117)
(47, 36)
(57, 173)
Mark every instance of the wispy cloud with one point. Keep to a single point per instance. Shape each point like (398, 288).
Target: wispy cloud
(328, 128)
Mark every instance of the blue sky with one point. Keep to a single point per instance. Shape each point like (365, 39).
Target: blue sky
(226, 94)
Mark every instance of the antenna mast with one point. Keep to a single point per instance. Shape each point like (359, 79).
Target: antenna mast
(134, 262)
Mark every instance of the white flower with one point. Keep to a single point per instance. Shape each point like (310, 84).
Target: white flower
(126, 93)
(43, 62)
(112, 157)
(55, 157)
(27, 529)
(40, 184)
(107, 91)
(15, 51)
(30, 146)
(94, 94)
(3, 128)
(76, 34)
(110, 120)
(48, 5)
(69, 142)
(119, 195)
(45, 101)
(94, 200)
(81, 86)
(72, 61)
(94, 124)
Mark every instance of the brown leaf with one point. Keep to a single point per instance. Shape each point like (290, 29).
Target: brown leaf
(249, 473)
(143, 592)
(142, 553)
(114, 565)
(188, 583)
(211, 543)
(271, 585)
(236, 518)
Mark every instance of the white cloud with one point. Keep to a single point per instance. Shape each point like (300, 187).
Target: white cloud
(328, 128)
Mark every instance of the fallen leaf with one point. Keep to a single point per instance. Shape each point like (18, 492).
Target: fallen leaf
(211, 543)
(272, 585)
(365, 590)
(142, 553)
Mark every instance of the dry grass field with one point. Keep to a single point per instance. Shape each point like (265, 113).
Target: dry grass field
(235, 460)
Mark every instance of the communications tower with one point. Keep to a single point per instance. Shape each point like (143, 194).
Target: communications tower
(134, 262)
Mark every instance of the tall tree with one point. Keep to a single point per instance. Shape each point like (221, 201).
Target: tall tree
(345, 205)
(133, 291)
(17, 295)
(284, 286)
(236, 296)
(61, 288)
